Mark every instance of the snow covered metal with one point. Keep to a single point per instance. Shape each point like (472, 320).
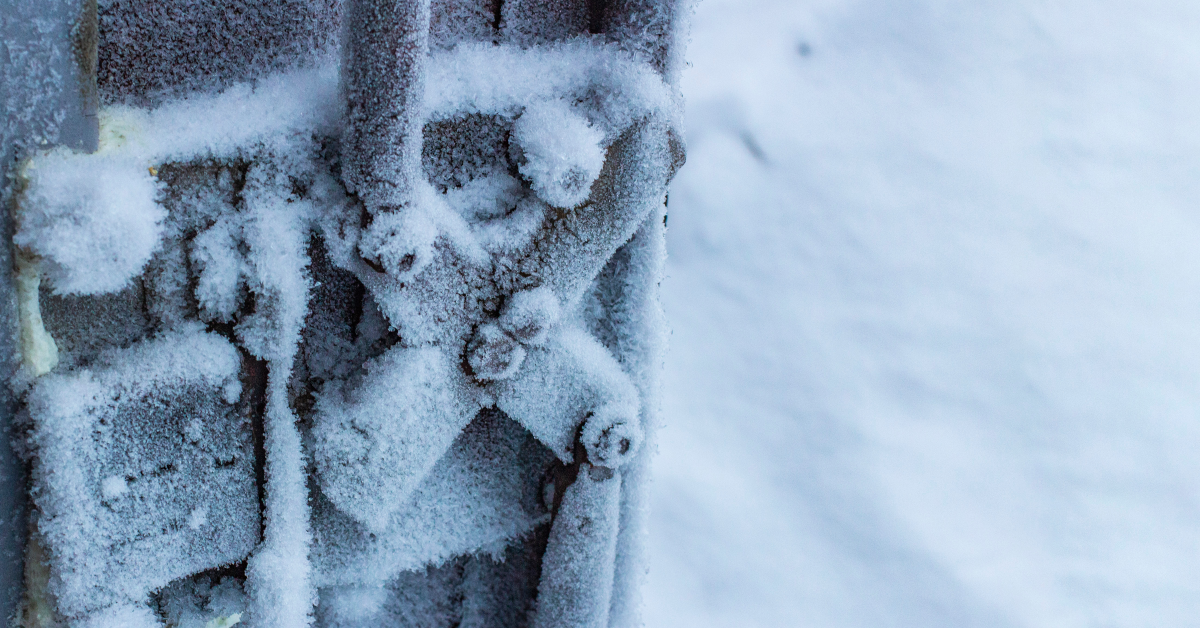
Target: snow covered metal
(355, 325)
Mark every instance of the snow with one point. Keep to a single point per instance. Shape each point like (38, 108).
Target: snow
(477, 495)
(95, 220)
(220, 270)
(223, 124)
(572, 379)
(615, 87)
(278, 575)
(94, 223)
(113, 487)
(276, 234)
(558, 151)
(374, 443)
(275, 230)
(502, 217)
(116, 488)
(933, 296)
(624, 309)
(253, 241)
(530, 314)
(122, 616)
(577, 585)
(574, 247)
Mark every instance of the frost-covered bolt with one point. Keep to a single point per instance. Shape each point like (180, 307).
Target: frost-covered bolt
(493, 354)
(558, 151)
(398, 243)
(529, 315)
(611, 435)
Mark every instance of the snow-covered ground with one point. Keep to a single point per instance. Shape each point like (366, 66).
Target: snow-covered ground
(935, 291)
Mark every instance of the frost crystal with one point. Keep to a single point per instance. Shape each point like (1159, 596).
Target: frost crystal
(558, 151)
(94, 222)
(121, 484)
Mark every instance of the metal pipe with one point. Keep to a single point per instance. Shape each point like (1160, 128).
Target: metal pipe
(386, 47)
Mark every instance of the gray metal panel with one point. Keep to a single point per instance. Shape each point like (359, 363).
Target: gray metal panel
(47, 85)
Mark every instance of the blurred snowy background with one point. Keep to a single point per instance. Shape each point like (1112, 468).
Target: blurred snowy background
(935, 291)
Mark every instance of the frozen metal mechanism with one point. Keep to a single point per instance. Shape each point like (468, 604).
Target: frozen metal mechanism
(351, 317)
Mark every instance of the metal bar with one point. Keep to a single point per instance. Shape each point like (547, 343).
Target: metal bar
(48, 89)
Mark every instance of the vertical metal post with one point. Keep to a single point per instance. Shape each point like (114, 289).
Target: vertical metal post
(13, 502)
(48, 94)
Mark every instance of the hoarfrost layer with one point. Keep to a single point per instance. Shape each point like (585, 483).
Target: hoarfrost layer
(498, 376)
